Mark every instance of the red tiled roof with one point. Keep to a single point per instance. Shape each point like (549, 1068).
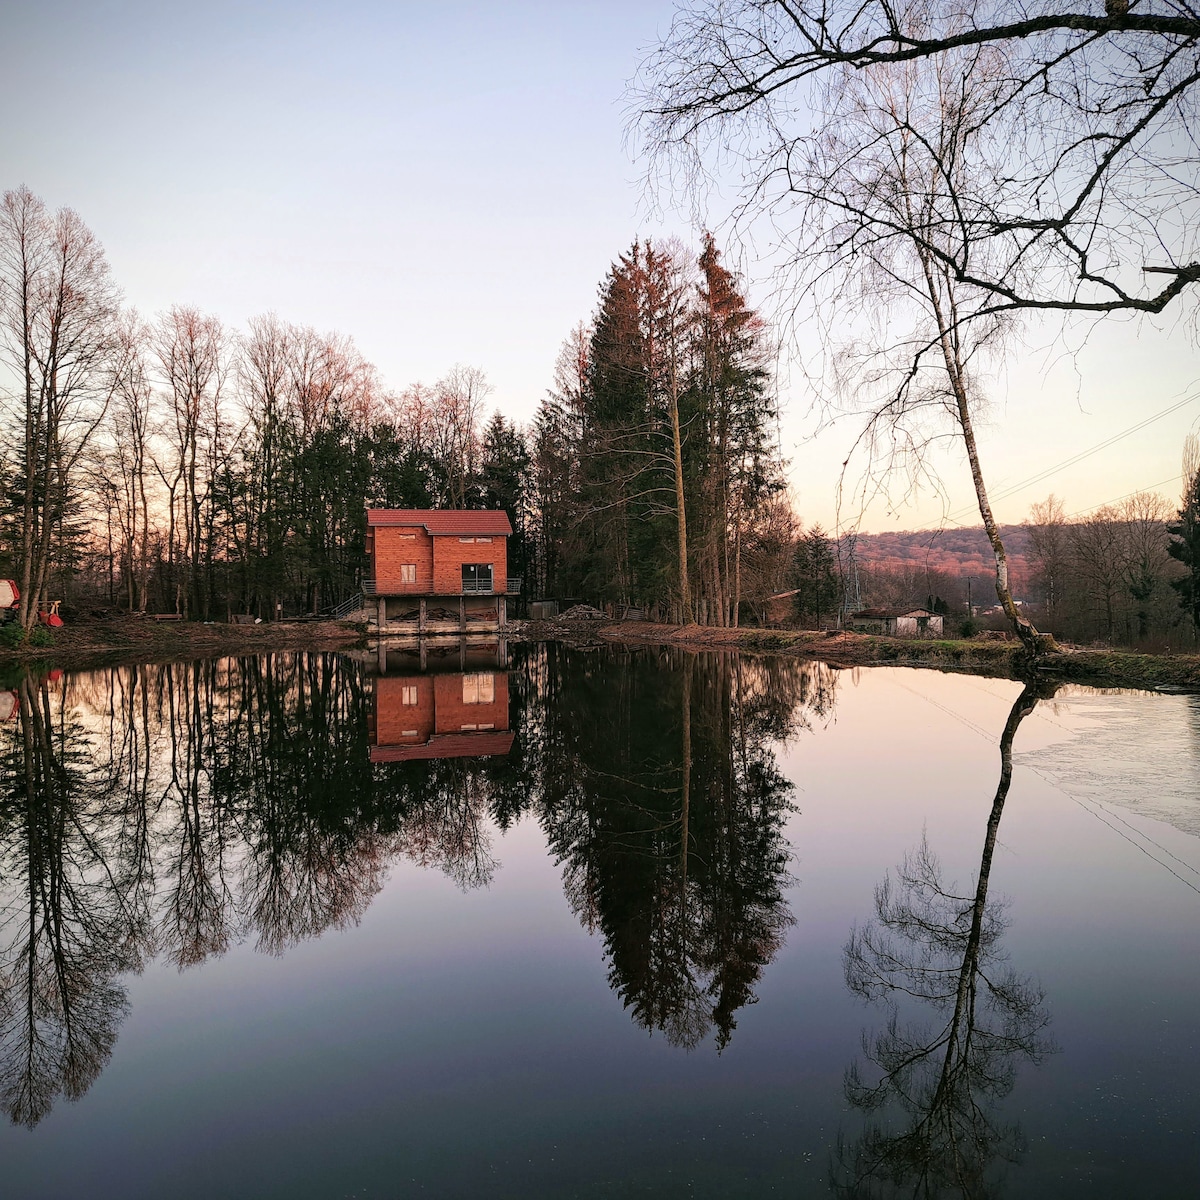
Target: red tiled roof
(447, 745)
(484, 522)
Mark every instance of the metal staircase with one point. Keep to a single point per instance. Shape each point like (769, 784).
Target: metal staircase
(347, 607)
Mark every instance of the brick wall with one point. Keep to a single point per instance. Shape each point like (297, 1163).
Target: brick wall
(444, 705)
(392, 548)
(453, 711)
(439, 560)
(449, 554)
(393, 718)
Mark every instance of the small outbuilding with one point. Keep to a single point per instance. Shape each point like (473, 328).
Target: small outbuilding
(897, 622)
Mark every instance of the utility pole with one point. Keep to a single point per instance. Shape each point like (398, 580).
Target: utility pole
(970, 610)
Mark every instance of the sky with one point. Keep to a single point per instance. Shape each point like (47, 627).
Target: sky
(449, 184)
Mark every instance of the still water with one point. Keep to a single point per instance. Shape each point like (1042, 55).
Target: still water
(560, 923)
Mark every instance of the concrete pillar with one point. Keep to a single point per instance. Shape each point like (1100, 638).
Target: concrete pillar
(462, 613)
(424, 654)
(421, 617)
(382, 612)
(462, 654)
(382, 657)
(501, 612)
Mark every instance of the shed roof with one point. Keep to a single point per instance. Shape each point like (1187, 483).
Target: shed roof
(886, 614)
(458, 522)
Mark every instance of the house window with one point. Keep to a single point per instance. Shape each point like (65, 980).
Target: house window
(408, 572)
(466, 540)
(467, 728)
(477, 577)
(479, 689)
(408, 733)
(408, 537)
(408, 694)
(488, 540)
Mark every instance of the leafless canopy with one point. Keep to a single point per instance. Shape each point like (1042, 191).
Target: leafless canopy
(1090, 127)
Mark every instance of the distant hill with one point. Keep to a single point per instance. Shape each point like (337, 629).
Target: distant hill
(956, 553)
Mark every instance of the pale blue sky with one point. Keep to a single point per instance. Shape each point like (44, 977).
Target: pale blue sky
(447, 183)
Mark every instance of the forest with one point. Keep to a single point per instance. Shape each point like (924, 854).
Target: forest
(173, 464)
(1116, 574)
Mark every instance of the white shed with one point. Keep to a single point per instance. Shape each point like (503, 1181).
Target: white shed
(898, 622)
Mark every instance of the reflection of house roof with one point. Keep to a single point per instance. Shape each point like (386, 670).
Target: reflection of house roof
(442, 521)
(448, 745)
(887, 614)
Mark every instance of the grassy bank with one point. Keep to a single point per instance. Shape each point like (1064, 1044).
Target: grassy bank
(1098, 668)
(142, 639)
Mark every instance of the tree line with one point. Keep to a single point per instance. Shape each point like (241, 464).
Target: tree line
(1123, 573)
(174, 464)
(1126, 573)
(657, 475)
(933, 178)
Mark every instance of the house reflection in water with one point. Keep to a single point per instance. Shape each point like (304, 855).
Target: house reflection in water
(452, 704)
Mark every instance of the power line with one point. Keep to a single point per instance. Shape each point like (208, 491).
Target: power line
(1012, 489)
(1116, 499)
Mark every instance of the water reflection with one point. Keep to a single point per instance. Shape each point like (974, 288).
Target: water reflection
(960, 1021)
(666, 808)
(177, 810)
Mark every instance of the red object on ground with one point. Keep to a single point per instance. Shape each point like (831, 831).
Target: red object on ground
(51, 619)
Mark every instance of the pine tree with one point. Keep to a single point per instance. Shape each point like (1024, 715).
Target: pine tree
(1184, 544)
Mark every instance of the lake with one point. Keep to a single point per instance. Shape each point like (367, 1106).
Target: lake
(543, 921)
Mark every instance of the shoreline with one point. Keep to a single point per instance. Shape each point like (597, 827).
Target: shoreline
(1007, 659)
(142, 640)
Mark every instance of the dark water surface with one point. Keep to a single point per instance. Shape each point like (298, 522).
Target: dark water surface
(565, 923)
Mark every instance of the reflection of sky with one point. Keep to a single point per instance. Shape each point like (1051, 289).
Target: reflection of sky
(454, 1038)
(448, 184)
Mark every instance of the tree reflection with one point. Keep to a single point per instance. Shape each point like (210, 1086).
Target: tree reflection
(185, 808)
(665, 806)
(941, 1077)
(69, 925)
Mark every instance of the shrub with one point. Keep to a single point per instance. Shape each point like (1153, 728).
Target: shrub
(40, 636)
(11, 635)
(969, 627)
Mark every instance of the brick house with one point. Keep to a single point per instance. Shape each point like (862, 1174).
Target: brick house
(439, 570)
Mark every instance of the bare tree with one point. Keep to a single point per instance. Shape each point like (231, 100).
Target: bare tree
(1092, 128)
(457, 415)
(130, 430)
(1047, 525)
(1097, 558)
(1144, 556)
(191, 352)
(57, 312)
